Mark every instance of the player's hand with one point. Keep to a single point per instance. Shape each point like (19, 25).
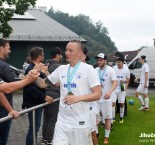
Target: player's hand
(107, 95)
(71, 99)
(49, 99)
(14, 113)
(122, 82)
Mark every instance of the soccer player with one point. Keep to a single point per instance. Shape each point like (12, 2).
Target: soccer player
(79, 85)
(92, 108)
(123, 77)
(143, 85)
(50, 117)
(108, 82)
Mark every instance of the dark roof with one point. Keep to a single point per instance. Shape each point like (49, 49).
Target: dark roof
(131, 55)
(41, 28)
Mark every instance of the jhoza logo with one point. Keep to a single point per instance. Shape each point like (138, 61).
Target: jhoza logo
(147, 135)
(147, 138)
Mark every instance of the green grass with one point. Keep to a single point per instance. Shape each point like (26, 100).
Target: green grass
(135, 123)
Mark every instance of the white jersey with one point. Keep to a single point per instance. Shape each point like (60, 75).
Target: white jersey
(144, 69)
(107, 78)
(122, 74)
(75, 115)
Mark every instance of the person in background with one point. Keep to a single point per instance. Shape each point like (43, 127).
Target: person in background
(92, 108)
(51, 111)
(123, 77)
(108, 82)
(143, 85)
(33, 95)
(117, 55)
(26, 63)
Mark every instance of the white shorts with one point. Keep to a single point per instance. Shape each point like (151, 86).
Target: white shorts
(92, 120)
(64, 135)
(98, 106)
(118, 94)
(141, 89)
(106, 108)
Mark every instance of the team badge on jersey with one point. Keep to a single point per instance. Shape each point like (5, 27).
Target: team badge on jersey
(78, 75)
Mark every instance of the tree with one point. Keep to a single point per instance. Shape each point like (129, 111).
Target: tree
(96, 34)
(10, 7)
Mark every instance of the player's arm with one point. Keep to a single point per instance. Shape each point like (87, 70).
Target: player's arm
(146, 79)
(108, 93)
(127, 83)
(43, 83)
(94, 95)
(114, 84)
(52, 79)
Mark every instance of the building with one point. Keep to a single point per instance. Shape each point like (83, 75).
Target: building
(130, 55)
(35, 28)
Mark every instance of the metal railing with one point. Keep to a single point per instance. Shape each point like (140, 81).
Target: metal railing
(4, 119)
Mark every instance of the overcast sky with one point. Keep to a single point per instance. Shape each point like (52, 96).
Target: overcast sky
(130, 23)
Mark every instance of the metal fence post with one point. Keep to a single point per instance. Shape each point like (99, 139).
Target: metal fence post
(34, 127)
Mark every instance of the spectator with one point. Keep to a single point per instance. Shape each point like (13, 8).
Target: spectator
(33, 95)
(26, 63)
(8, 75)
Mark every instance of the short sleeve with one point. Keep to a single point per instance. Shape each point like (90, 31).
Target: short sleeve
(93, 78)
(113, 74)
(146, 68)
(54, 76)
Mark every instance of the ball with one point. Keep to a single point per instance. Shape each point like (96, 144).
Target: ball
(131, 102)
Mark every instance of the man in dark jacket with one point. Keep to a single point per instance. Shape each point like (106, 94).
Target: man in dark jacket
(51, 111)
(8, 75)
(33, 95)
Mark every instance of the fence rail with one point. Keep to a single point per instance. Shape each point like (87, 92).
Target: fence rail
(4, 119)
(33, 118)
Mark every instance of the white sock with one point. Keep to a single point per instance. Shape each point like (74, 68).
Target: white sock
(107, 133)
(121, 112)
(141, 100)
(147, 102)
(96, 129)
(113, 112)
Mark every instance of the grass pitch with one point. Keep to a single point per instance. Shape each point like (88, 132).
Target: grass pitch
(135, 123)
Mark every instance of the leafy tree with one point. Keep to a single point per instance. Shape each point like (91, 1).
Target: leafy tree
(10, 7)
(97, 36)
